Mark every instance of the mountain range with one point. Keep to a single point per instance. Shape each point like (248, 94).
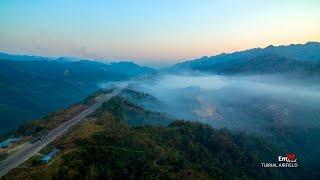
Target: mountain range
(32, 86)
(272, 59)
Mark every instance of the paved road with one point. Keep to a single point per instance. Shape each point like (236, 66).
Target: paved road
(31, 149)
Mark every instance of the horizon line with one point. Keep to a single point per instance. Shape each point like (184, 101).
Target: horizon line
(144, 61)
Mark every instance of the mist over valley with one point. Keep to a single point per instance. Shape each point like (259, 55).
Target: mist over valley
(255, 104)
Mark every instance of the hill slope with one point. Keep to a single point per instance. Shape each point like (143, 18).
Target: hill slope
(107, 147)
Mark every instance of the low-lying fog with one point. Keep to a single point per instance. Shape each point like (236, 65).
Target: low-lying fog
(250, 103)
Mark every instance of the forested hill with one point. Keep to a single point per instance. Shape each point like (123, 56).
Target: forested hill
(31, 88)
(115, 143)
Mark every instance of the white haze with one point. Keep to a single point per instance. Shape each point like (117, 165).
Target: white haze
(248, 103)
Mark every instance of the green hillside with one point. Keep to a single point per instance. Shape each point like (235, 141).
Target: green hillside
(108, 147)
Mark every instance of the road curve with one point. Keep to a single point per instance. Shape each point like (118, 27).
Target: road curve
(31, 149)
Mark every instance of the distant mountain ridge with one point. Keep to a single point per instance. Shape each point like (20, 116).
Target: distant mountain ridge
(295, 57)
(14, 57)
(6, 56)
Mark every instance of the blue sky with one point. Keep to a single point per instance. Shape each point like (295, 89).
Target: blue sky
(157, 32)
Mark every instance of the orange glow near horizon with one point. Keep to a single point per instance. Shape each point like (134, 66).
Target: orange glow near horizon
(157, 32)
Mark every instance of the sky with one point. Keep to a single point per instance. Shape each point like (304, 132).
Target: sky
(157, 32)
